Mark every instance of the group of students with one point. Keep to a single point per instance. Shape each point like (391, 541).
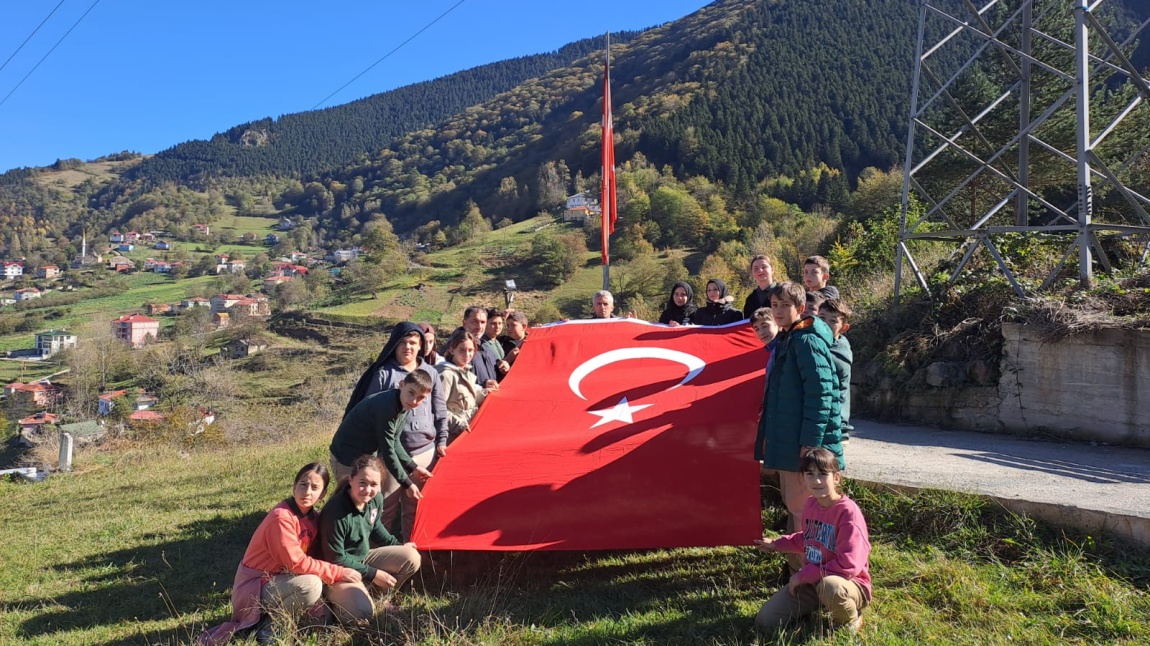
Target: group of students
(412, 402)
(803, 428)
(404, 411)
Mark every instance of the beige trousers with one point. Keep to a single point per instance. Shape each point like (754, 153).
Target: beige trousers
(339, 471)
(290, 595)
(842, 598)
(795, 493)
(395, 498)
(352, 601)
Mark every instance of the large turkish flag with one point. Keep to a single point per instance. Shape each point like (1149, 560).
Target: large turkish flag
(612, 434)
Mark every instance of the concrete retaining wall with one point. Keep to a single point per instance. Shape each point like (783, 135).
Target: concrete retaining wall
(1089, 387)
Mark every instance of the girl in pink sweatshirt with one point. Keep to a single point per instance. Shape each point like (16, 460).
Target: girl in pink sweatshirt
(835, 548)
(276, 576)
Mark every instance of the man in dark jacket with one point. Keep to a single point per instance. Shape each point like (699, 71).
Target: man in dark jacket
(801, 404)
(485, 364)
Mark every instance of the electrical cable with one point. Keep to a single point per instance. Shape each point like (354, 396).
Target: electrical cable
(45, 57)
(30, 36)
(385, 56)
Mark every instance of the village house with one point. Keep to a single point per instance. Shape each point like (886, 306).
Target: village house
(156, 309)
(107, 401)
(144, 418)
(115, 237)
(288, 268)
(163, 245)
(240, 348)
(201, 229)
(120, 264)
(271, 239)
(48, 271)
(50, 342)
(195, 301)
(344, 255)
(161, 267)
(221, 320)
(40, 393)
(135, 329)
(255, 305)
(285, 223)
(36, 423)
(236, 266)
(580, 208)
(274, 279)
(223, 302)
(147, 237)
(27, 294)
(126, 247)
(12, 269)
(132, 236)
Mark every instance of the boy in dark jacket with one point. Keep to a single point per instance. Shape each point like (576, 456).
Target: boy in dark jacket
(837, 315)
(801, 404)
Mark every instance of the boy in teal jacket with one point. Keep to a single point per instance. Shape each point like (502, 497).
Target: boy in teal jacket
(801, 405)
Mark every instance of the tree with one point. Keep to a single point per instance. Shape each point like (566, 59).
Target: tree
(554, 259)
(549, 187)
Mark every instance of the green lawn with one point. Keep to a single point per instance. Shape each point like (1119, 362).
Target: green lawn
(140, 546)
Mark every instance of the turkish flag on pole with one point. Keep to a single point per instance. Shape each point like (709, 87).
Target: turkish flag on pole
(608, 200)
(613, 434)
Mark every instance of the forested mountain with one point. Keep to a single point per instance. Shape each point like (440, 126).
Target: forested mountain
(754, 95)
(309, 142)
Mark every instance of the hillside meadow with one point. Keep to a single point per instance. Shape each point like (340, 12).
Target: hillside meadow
(140, 543)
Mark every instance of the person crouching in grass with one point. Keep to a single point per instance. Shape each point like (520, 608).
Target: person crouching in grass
(276, 577)
(352, 535)
(835, 548)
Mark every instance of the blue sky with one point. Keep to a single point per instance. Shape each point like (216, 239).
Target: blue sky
(145, 75)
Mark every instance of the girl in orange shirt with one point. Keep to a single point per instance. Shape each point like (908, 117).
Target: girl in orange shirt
(276, 577)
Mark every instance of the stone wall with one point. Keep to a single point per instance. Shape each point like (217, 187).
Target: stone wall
(1089, 387)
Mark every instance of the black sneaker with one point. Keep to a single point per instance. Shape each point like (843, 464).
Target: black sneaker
(265, 631)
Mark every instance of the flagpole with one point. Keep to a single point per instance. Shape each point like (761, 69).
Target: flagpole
(606, 203)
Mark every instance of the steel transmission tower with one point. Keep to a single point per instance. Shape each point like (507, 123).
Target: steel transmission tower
(1001, 144)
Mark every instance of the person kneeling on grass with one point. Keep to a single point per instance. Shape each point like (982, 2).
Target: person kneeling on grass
(835, 547)
(352, 534)
(276, 577)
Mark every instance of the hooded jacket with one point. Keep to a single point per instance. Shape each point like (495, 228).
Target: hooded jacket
(718, 312)
(682, 315)
(801, 404)
(463, 393)
(426, 425)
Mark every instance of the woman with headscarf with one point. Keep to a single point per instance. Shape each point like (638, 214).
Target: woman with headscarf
(680, 309)
(424, 431)
(718, 310)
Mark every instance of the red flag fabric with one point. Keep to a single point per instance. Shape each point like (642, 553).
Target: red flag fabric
(614, 434)
(607, 198)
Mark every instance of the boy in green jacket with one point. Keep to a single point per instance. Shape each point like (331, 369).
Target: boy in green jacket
(801, 405)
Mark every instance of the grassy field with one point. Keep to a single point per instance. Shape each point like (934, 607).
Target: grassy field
(139, 547)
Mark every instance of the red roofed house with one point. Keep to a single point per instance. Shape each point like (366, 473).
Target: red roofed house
(222, 302)
(134, 329)
(146, 416)
(41, 393)
(202, 229)
(275, 279)
(11, 269)
(33, 423)
(106, 402)
(252, 306)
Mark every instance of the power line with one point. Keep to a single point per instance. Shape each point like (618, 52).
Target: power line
(45, 57)
(385, 56)
(30, 36)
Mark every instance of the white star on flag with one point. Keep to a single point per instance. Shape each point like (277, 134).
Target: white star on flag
(620, 413)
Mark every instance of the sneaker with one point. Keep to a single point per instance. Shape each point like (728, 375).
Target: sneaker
(265, 631)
